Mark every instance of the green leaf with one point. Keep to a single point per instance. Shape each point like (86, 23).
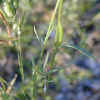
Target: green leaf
(59, 29)
(81, 50)
(51, 23)
(59, 34)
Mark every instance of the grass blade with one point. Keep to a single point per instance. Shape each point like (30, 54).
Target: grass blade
(81, 50)
(51, 22)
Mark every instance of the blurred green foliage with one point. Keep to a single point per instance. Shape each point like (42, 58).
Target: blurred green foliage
(22, 16)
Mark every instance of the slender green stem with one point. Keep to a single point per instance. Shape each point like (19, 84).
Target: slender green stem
(20, 59)
(34, 80)
(53, 57)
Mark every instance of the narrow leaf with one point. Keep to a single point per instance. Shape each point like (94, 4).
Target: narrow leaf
(81, 50)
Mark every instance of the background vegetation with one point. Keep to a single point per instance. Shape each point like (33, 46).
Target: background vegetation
(49, 49)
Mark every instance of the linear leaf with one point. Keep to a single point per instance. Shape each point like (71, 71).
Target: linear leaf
(81, 50)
